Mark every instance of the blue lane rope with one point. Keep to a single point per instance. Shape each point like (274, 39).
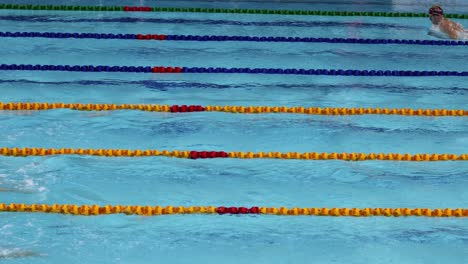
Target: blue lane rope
(229, 38)
(159, 69)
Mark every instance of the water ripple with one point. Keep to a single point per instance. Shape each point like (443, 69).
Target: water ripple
(166, 85)
(308, 24)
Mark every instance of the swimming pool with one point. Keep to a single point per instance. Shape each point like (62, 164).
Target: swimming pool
(53, 238)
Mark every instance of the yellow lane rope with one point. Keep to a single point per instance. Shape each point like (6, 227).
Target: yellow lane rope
(235, 109)
(160, 210)
(239, 155)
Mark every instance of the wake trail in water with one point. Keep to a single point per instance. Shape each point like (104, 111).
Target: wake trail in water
(17, 253)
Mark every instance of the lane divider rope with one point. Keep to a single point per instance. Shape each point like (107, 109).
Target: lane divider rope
(89, 210)
(218, 10)
(36, 106)
(163, 69)
(161, 37)
(187, 154)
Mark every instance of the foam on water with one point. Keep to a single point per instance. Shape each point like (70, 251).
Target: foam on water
(435, 31)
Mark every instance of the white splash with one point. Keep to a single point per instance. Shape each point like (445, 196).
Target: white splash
(29, 183)
(436, 32)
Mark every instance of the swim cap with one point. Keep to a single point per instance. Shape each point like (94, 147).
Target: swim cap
(436, 10)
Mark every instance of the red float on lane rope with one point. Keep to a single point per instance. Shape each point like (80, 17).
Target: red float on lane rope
(149, 37)
(185, 108)
(243, 210)
(137, 9)
(254, 210)
(166, 69)
(237, 210)
(207, 154)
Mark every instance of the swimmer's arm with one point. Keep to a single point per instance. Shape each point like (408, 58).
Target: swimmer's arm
(453, 34)
(458, 27)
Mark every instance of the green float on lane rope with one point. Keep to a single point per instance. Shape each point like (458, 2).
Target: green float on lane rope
(223, 10)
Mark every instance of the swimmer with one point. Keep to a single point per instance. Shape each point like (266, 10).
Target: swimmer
(444, 25)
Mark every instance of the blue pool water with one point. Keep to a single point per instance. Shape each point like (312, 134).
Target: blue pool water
(41, 238)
